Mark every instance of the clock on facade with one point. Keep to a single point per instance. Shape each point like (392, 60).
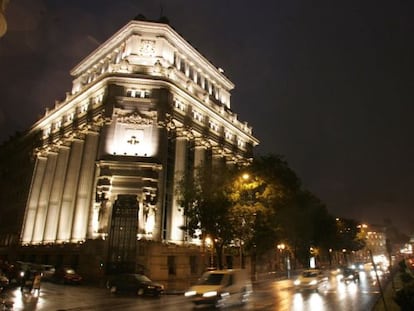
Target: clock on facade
(147, 48)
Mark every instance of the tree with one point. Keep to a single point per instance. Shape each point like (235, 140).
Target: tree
(259, 194)
(278, 185)
(205, 201)
(306, 225)
(348, 235)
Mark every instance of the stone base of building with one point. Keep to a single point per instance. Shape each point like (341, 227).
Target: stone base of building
(175, 266)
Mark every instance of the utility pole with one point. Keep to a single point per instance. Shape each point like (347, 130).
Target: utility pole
(378, 280)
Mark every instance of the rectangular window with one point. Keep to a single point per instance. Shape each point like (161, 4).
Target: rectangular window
(183, 66)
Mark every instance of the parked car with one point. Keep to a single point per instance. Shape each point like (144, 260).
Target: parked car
(48, 272)
(66, 275)
(138, 284)
(221, 288)
(311, 279)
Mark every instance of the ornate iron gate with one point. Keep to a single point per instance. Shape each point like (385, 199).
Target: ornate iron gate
(123, 235)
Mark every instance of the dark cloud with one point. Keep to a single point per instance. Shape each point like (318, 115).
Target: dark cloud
(327, 84)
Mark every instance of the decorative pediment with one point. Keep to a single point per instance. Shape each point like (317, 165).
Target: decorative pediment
(135, 118)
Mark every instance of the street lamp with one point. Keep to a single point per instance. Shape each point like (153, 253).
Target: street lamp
(246, 176)
(281, 247)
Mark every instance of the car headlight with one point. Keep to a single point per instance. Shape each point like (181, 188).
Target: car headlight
(297, 282)
(313, 282)
(210, 294)
(190, 293)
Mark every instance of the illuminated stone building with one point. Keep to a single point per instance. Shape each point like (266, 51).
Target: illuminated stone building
(145, 108)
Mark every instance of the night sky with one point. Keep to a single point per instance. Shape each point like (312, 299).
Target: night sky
(327, 84)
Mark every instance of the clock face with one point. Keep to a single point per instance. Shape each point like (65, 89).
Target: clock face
(147, 48)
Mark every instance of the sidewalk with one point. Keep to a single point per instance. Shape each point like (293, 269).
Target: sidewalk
(389, 292)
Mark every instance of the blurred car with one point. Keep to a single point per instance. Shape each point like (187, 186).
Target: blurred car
(350, 275)
(66, 275)
(221, 288)
(311, 279)
(359, 265)
(138, 284)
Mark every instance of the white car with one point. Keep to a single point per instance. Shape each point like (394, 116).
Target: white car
(221, 288)
(311, 279)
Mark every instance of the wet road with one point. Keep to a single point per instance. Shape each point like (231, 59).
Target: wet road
(270, 295)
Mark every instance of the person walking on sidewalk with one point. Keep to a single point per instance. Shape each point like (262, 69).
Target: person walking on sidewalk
(36, 282)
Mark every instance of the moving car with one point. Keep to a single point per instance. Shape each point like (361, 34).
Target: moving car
(359, 265)
(311, 279)
(350, 275)
(221, 287)
(138, 284)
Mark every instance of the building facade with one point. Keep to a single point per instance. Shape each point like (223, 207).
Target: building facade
(145, 109)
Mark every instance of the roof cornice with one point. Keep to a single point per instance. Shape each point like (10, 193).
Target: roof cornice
(158, 30)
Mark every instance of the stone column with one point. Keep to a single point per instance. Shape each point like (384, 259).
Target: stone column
(43, 204)
(69, 192)
(177, 219)
(230, 160)
(199, 155)
(33, 200)
(56, 195)
(218, 159)
(85, 188)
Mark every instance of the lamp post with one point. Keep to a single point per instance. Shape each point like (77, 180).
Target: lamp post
(209, 243)
(281, 248)
(241, 253)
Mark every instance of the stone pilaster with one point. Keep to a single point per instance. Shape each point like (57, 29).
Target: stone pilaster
(43, 204)
(56, 195)
(69, 193)
(33, 200)
(85, 188)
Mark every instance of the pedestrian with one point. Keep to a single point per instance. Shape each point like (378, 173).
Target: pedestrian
(27, 280)
(36, 282)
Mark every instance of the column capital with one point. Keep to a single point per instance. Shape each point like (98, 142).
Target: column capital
(185, 132)
(218, 151)
(202, 142)
(168, 123)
